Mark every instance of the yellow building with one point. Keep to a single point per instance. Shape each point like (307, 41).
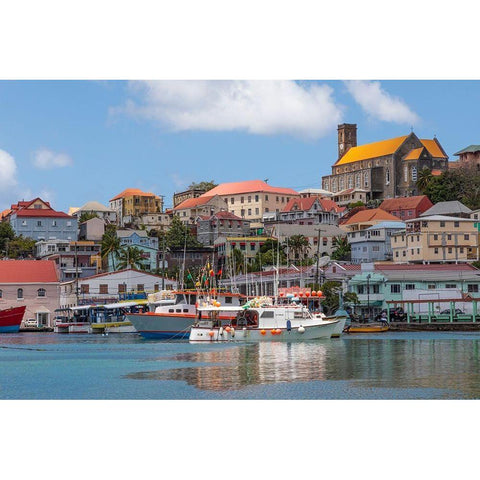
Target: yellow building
(132, 202)
(436, 239)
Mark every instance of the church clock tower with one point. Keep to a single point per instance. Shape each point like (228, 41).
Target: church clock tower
(347, 138)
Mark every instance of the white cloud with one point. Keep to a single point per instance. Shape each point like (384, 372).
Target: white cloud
(379, 104)
(8, 170)
(47, 159)
(257, 107)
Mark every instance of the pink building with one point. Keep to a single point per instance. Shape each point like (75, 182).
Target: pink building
(33, 283)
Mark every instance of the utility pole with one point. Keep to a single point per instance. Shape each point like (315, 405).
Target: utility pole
(76, 272)
(163, 263)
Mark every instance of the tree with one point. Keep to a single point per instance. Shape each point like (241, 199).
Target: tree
(179, 235)
(6, 235)
(342, 249)
(237, 261)
(130, 257)
(87, 216)
(203, 185)
(110, 246)
(298, 245)
(424, 178)
(21, 247)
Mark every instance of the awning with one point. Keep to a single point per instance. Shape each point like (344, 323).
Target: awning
(42, 309)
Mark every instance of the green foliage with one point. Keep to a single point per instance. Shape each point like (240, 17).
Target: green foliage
(424, 178)
(270, 253)
(342, 249)
(179, 235)
(130, 257)
(237, 261)
(87, 216)
(110, 246)
(330, 291)
(203, 185)
(21, 247)
(355, 204)
(476, 264)
(6, 235)
(298, 247)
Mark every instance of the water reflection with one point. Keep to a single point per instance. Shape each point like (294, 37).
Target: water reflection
(451, 365)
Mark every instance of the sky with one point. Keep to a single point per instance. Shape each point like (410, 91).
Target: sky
(70, 142)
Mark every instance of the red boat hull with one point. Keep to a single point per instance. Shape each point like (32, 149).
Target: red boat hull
(11, 318)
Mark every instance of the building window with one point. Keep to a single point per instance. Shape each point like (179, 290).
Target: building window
(257, 211)
(442, 224)
(19, 293)
(350, 181)
(450, 250)
(41, 292)
(232, 200)
(472, 287)
(85, 288)
(103, 288)
(122, 288)
(69, 223)
(140, 287)
(414, 174)
(249, 211)
(242, 199)
(387, 177)
(409, 286)
(39, 223)
(456, 224)
(256, 198)
(466, 237)
(266, 198)
(435, 237)
(365, 179)
(450, 285)
(435, 250)
(431, 286)
(405, 173)
(249, 198)
(395, 287)
(357, 181)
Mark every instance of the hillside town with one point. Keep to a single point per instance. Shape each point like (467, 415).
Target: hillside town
(381, 224)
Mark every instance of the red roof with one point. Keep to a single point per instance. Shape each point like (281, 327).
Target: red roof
(249, 186)
(30, 212)
(405, 203)
(28, 271)
(300, 204)
(329, 205)
(223, 215)
(369, 215)
(194, 202)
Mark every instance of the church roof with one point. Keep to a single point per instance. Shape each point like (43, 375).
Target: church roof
(371, 150)
(414, 154)
(434, 148)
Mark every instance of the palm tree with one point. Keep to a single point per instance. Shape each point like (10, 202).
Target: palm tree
(342, 249)
(299, 245)
(131, 257)
(237, 260)
(424, 179)
(110, 246)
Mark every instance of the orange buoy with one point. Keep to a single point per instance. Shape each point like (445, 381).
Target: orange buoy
(211, 333)
(278, 332)
(320, 293)
(273, 332)
(314, 293)
(300, 294)
(263, 332)
(227, 329)
(307, 294)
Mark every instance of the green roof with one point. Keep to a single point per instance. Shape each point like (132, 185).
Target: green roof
(469, 149)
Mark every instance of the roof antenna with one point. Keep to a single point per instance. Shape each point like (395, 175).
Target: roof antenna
(266, 180)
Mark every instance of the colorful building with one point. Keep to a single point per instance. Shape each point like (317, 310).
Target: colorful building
(406, 208)
(366, 218)
(133, 203)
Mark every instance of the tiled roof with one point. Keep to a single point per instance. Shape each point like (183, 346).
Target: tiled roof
(433, 147)
(194, 202)
(329, 205)
(249, 186)
(227, 216)
(300, 203)
(469, 149)
(28, 271)
(371, 150)
(30, 212)
(436, 173)
(369, 215)
(447, 208)
(94, 206)
(133, 191)
(404, 203)
(388, 224)
(414, 154)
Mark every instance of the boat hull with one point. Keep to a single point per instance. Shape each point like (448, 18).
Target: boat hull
(368, 328)
(72, 328)
(162, 326)
(10, 319)
(113, 327)
(310, 332)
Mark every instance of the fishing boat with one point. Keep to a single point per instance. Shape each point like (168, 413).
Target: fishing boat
(172, 318)
(73, 319)
(260, 320)
(367, 328)
(11, 318)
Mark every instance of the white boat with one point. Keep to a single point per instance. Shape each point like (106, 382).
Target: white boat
(263, 322)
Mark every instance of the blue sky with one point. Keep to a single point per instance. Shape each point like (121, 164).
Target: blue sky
(74, 141)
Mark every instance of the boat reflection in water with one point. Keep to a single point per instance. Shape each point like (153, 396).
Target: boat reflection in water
(252, 364)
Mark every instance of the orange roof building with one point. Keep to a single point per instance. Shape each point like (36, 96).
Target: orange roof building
(367, 218)
(133, 202)
(383, 169)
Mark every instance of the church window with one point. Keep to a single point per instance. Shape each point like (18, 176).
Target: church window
(357, 181)
(350, 181)
(405, 173)
(365, 178)
(325, 184)
(334, 185)
(340, 183)
(387, 177)
(414, 174)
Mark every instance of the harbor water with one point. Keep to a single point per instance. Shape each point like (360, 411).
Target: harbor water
(391, 365)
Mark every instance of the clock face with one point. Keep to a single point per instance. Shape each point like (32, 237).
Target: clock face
(341, 146)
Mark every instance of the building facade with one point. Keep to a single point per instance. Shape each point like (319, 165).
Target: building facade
(384, 169)
(133, 203)
(436, 239)
(206, 205)
(221, 224)
(406, 208)
(468, 157)
(180, 197)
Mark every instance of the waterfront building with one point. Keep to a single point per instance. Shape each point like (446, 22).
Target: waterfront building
(377, 284)
(220, 224)
(406, 208)
(307, 211)
(189, 210)
(380, 170)
(38, 220)
(96, 208)
(366, 218)
(111, 287)
(33, 283)
(450, 209)
(325, 232)
(374, 243)
(468, 157)
(141, 240)
(72, 259)
(436, 239)
(133, 203)
(251, 199)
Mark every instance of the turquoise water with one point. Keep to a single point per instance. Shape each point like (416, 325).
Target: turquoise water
(424, 365)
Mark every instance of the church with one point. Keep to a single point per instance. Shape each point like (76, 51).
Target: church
(380, 170)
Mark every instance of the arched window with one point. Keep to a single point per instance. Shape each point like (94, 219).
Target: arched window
(406, 173)
(414, 174)
(365, 179)
(387, 177)
(19, 293)
(41, 292)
